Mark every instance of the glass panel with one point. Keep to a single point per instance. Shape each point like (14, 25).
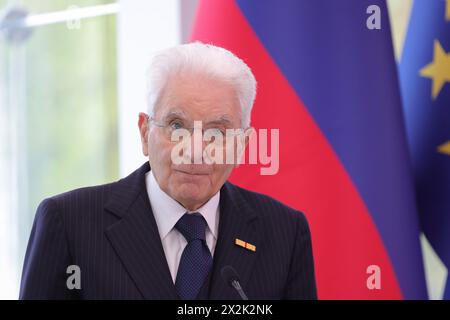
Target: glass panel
(44, 6)
(58, 127)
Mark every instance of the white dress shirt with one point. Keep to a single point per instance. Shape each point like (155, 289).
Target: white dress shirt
(168, 211)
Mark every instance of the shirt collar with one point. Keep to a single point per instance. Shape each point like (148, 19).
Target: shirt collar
(168, 211)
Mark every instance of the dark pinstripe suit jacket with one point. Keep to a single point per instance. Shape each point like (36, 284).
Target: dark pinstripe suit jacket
(109, 232)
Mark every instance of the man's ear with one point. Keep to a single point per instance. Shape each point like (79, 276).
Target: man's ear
(143, 130)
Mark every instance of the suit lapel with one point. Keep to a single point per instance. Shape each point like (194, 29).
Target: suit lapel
(237, 221)
(135, 238)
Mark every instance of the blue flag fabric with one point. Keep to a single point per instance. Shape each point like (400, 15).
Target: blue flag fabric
(425, 83)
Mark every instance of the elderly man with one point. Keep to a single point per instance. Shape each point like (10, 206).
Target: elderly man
(175, 228)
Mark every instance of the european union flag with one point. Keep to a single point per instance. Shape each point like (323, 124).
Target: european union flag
(425, 84)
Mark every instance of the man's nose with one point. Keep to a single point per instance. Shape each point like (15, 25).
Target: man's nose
(197, 146)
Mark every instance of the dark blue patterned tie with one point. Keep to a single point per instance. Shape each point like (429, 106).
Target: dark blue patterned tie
(196, 259)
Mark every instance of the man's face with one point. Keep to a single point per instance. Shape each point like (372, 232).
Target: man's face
(187, 98)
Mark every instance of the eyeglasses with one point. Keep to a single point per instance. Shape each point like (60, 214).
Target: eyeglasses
(176, 127)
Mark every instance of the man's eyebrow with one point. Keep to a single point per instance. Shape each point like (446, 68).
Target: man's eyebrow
(174, 114)
(224, 119)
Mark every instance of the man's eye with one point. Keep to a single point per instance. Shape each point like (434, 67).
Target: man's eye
(216, 132)
(175, 125)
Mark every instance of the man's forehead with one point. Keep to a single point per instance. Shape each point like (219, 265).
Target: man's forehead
(198, 89)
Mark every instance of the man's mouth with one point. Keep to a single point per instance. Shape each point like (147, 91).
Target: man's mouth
(197, 170)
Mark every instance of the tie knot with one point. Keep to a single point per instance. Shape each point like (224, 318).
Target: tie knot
(192, 226)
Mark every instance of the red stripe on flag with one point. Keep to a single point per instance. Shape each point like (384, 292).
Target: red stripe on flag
(311, 177)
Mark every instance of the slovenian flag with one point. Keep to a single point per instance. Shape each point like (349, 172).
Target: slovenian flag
(329, 84)
(425, 82)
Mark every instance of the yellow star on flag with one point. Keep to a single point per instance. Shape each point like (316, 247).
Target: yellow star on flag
(447, 11)
(438, 70)
(445, 148)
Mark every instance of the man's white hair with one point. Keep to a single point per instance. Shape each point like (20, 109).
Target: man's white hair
(204, 59)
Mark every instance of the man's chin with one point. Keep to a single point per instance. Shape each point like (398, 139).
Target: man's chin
(190, 196)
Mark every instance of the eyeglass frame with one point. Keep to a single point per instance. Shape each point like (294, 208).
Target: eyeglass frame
(158, 124)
